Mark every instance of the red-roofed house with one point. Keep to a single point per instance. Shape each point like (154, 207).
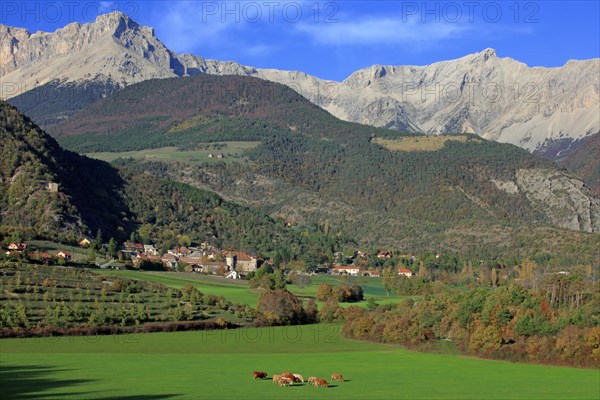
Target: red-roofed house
(384, 254)
(210, 267)
(133, 249)
(64, 255)
(405, 272)
(18, 247)
(345, 270)
(190, 261)
(169, 261)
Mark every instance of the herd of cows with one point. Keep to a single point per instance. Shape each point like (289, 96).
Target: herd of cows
(288, 379)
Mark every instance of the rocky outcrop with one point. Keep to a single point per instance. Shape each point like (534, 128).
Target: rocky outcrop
(497, 98)
(565, 201)
(113, 48)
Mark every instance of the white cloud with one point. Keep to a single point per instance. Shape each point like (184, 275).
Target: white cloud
(187, 25)
(258, 50)
(107, 6)
(382, 30)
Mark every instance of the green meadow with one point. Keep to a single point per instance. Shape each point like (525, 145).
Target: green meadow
(239, 291)
(232, 151)
(79, 254)
(219, 365)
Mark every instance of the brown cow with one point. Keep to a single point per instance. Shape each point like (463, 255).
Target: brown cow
(337, 377)
(289, 376)
(260, 375)
(283, 381)
(276, 378)
(321, 383)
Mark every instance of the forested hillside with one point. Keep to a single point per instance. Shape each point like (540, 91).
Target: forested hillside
(91, 195)
(50, 192)
(584, 161)
(468, 192)
(183, 112)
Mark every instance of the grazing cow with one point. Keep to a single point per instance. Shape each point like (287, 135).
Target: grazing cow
(312, 380)
(299, 378)
(337, 377)
(276, 378)
(289, 376)
(285, 381)
(321, 383)
(260, 375)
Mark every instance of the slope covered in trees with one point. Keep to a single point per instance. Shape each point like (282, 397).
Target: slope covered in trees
(463, 191)
(50, 192)
(183, 112)
(583, 161)
(553, 321)
(91, 195)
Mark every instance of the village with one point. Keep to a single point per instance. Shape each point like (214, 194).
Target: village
(205, 259)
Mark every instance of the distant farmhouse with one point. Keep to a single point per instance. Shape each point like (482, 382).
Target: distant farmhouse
(347, 270)
(405, 272)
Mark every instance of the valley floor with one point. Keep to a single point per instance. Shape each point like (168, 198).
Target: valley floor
(219, 365)
(238, 291)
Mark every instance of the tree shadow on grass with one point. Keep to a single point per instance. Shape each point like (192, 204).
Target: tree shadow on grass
(29, 381)
(35, 381)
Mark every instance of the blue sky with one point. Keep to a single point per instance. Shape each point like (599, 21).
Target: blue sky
(331, 39)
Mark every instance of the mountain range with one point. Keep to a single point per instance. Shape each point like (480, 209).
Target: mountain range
(378, 186)
(409, 168)
(497, 98)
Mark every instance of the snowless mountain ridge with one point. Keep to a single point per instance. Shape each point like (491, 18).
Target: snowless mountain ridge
(497, 98)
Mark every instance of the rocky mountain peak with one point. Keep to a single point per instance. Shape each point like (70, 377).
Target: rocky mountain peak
(487, 54)
(498, 98)
(119, 23)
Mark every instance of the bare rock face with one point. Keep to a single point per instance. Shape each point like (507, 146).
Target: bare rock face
(497, 98)
(114, 47)
(566, 201)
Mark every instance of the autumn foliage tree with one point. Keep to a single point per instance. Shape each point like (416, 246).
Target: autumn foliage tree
(280, 307)
(509, 322)
(341, 293)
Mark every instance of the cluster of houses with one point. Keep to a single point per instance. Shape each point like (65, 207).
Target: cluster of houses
(354, 270)
(16, 248)
(205, 259)
(361, 258)
(208, 259)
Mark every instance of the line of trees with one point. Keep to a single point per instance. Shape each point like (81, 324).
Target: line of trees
(558, 322)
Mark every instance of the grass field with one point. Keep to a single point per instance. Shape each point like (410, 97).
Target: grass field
(79, 254)
(419, 143)
(219, 364)
(235, 293)
(239, 291)
(233, 151)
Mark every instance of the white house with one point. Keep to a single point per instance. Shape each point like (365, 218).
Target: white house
(150, 250)
(405, 272)
(233, 275)
(347, 270)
